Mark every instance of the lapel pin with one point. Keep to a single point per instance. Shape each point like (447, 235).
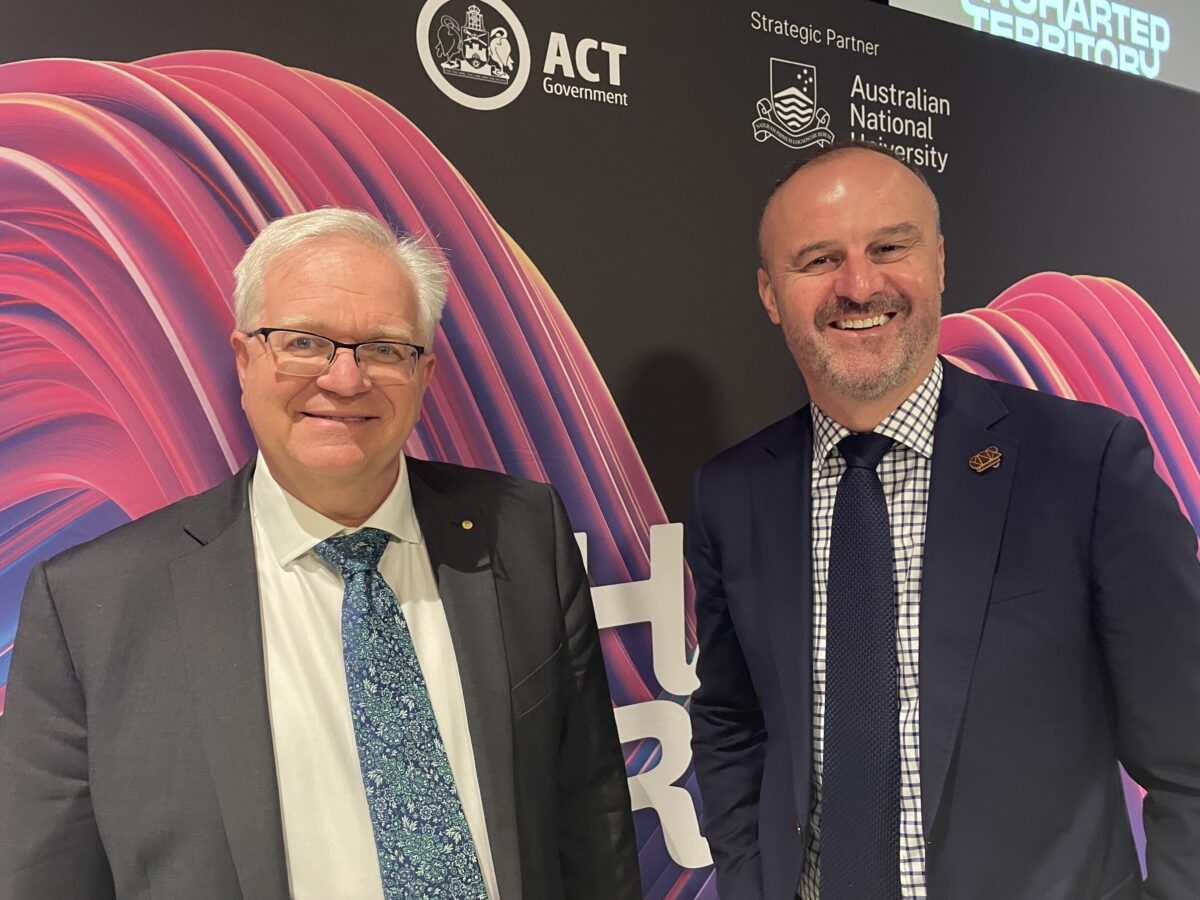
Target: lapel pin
(467, 524)
(985, 459)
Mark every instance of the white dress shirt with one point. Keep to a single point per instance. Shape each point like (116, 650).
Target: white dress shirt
(328, 839)
(905, 473)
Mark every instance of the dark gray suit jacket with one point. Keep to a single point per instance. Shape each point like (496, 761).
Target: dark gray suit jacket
(136, 756)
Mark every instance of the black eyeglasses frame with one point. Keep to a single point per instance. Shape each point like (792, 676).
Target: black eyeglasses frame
(264, 333)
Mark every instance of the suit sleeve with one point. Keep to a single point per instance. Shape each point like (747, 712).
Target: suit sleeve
(598, 851)
(728, 731)
(49, 843)
(1146, 580)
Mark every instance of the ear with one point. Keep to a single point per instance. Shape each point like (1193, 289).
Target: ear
(941, 256)
(425, 368)
(240, 342)
(766, 293)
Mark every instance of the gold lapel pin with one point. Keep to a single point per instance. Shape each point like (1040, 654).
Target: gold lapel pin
(467, 524)
(985, 459)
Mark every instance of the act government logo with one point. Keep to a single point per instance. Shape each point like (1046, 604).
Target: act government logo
(475, 51)
(790, 114)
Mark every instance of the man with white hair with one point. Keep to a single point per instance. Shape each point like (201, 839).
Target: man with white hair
(341, 673)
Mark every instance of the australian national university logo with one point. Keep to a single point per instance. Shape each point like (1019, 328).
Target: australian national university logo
(476, 52)
(791, 115)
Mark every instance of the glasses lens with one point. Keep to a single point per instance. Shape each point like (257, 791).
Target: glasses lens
(297, 353)
(387, 362)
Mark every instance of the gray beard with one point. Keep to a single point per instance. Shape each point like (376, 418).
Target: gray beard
(818, 358)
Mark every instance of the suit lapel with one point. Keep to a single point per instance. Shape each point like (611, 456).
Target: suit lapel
(216, 601)
(963, 530)
(462, 565)
(781, 492)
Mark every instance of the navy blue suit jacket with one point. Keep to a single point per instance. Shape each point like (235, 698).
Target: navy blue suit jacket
(1060, 633)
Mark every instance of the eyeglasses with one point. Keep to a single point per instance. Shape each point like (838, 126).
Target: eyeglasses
(308, 355)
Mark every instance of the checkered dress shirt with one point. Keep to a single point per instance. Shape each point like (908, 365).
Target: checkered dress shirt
(904, 472)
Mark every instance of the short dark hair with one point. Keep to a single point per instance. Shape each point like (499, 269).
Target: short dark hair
(820, 153)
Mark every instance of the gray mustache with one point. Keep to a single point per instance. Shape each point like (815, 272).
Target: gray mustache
(847, 309)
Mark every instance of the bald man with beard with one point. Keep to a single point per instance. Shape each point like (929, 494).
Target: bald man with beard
(934, 611)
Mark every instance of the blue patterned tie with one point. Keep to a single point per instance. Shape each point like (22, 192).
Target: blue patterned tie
(860, 794)
(421, 835)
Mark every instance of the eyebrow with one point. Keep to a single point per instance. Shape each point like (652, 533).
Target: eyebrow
(899, 230)
(809, 249)
(303, 323)
(903, 229)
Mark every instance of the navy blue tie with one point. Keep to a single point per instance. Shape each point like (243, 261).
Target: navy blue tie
(860, 796)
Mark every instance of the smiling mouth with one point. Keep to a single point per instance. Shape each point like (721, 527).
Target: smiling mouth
(861, 324)
(348, 419)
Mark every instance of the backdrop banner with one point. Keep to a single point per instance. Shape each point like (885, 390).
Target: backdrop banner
(593, 174)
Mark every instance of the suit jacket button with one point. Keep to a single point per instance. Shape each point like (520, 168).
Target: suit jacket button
(799, 828)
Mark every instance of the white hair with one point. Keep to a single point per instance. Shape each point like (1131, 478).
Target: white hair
(420, 262)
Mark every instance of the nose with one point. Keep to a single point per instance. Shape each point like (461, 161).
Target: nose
(858, 279)
(343, 376)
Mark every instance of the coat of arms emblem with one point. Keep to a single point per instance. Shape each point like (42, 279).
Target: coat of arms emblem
(469, 50)
(790, 114)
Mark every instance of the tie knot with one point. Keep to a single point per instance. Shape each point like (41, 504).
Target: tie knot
(864, 450)
(352, 553)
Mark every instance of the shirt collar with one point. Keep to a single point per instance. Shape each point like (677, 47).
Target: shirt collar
(291, 528)
(910, 424)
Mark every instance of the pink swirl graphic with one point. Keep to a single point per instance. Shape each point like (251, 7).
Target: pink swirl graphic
(1091, 339)
(130, 193)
